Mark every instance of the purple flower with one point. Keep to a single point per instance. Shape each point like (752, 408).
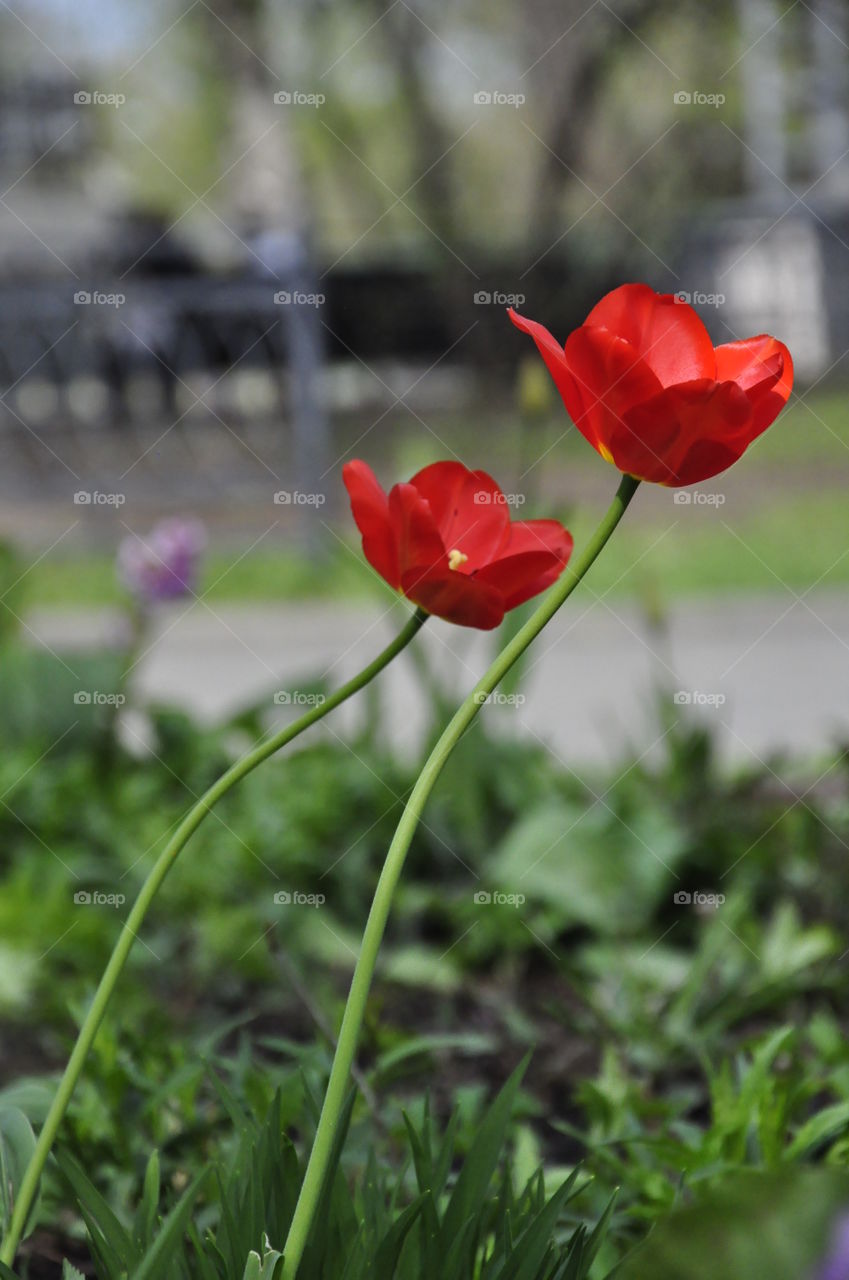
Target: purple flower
(163, 565)
(836, 1264)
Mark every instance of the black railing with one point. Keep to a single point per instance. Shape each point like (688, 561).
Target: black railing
(93, 375)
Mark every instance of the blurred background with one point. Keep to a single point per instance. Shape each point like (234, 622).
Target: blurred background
(241, 243)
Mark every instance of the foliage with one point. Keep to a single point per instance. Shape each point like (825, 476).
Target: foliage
(675, 1045)
(434, 1221)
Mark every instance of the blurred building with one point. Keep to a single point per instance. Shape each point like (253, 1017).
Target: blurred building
(777, 260)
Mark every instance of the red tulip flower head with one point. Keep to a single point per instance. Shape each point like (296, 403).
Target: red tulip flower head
(643, 382)
(447, 542)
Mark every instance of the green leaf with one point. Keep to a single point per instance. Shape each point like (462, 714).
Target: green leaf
(32, 1094)
(756, 1224)
(418, 1046)
(587, 866)
(421, 1155)
(442, 1163)
(532, 1246)
(475, 1176)
(146, 1213)
(171, 1233)
(253, 1266)
(267, 1267)
(596, 1238)
(826, 1124)
(389, 1251)
(418, 966)
(106, 1230)
(17, 1144)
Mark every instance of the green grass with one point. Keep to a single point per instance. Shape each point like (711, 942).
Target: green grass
(798, 542)
(813, 429)
(794, 544)
(266, 576)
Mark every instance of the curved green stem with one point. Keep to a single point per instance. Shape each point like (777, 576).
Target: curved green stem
(148, 891)
(376, 923)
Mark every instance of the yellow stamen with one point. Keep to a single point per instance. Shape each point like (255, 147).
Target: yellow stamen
(605, 452)
(456, 558)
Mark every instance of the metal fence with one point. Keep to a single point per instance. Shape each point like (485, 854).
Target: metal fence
(189, 382)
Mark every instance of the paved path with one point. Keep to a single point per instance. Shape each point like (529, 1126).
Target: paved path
(771, 674)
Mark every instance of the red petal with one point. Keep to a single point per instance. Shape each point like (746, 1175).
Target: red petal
(704, 459)
(537, 553)
(685, 434)
(763, 368)
(539, 535)
(370, 508)
(555, 359)
(609, 379)
(469, 510)
(581, 384)
(752, 360)
(547, 345)
(666, 333)
(420, 548)
(440, 484)
(718, 421)
(455, 597)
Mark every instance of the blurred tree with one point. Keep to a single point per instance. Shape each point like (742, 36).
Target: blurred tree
(261, 148)
(400, 156)
(591, 45)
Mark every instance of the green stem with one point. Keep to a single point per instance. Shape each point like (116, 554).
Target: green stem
(133, 922)
(376, 923)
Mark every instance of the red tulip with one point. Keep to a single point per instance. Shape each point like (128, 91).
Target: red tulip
(645, 385)
(447, 542)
